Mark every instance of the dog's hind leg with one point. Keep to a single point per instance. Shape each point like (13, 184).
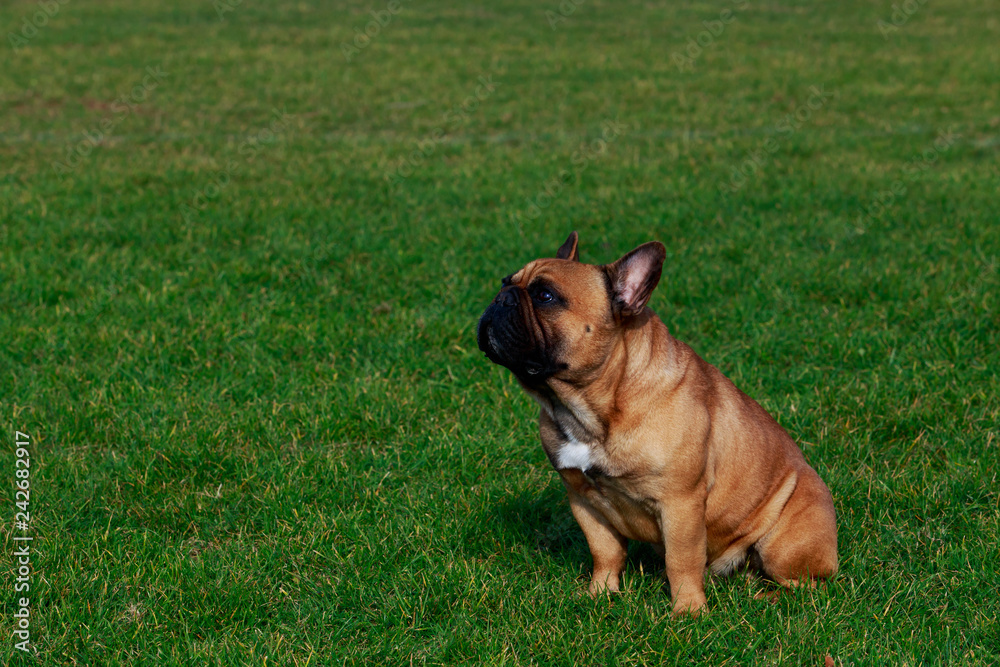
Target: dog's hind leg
(802, 545)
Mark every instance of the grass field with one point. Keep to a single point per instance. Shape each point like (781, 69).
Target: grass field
(242, 259)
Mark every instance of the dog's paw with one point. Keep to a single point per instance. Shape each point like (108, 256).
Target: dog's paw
(689, 606)
(603, 585)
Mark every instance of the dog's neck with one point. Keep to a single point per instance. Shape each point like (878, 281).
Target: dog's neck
(571, 411)
(580, 408)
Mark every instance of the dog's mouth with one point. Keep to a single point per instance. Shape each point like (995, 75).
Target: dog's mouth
(492, 339)
(504, 344)
(495, 345)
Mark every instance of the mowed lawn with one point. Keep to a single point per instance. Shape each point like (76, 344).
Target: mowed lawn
(241, 266)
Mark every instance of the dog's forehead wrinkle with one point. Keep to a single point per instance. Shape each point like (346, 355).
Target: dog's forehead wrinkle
(569, 278)
(526, 273)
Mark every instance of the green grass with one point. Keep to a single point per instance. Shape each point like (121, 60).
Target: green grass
(261, 428)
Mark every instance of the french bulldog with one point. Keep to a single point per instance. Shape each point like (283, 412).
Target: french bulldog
(652, 442)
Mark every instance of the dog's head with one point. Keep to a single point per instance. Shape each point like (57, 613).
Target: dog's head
(559, 317)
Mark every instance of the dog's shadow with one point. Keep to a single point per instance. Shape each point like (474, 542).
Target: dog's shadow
(541, 522)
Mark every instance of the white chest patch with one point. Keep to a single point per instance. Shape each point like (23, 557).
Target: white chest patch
(574, 454)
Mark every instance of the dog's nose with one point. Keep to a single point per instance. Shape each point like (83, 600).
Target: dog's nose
(507, 297)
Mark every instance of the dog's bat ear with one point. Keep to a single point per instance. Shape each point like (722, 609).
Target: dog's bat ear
(568, 250)
(635, 276)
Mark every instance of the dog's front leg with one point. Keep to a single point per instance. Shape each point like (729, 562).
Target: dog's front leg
(685, 540)
(607, 546)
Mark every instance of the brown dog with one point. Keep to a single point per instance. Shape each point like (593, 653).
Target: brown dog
(652, 442)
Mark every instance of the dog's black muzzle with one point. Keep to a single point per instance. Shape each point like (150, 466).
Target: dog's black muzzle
(506, 339)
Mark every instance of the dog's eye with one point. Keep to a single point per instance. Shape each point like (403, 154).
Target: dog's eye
(543, 296)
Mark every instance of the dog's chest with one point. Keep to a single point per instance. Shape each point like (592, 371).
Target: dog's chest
(584, 469)
(574, 454)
